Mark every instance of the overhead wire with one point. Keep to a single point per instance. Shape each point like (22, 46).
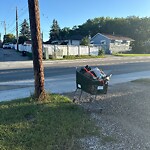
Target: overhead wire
(23, 11)
(12, 21)
(23, 14)
(45, 21)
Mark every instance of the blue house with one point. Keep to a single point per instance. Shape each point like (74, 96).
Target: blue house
(112, 43)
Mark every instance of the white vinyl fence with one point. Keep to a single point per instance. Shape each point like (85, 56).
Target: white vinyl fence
(64, 50)
(27, 48)
(71, 49)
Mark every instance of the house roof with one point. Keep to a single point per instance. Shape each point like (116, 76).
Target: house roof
(76, 37)
(118, 37)
(115, 37)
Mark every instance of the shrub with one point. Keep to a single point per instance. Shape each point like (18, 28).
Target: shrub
(101, 52)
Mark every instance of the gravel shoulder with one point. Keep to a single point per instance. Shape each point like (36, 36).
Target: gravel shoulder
(125, 119)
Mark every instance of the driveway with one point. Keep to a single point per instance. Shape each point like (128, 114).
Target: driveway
(11, 55)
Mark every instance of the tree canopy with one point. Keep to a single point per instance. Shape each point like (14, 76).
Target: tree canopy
(9, 38)
(25, 30)
(54, 31)
(133, 26)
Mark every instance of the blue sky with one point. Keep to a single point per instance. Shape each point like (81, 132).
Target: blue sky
(69, 13)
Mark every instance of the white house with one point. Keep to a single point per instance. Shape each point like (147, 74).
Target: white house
(112, 43)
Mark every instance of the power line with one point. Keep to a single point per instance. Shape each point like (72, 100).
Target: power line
(19, 16)
(4, 25)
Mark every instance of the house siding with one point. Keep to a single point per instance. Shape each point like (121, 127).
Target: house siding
(111, 45)
(98, 39)
(119, 48)
(74, 42)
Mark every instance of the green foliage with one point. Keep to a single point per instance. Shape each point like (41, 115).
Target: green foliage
(55, 124)
(143, 81)
(81, 56)
(25, 30)
(85, 41)
(54, 31)
(134, 27)
(64, 33)
(22, 39)
(9, 38)
(101, 52)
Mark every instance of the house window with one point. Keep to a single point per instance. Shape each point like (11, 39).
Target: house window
(118, 42)
(125, 42)
(103, 42)
(112, 41)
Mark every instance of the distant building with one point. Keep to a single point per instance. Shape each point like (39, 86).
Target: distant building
(73, 40)
(112, 43)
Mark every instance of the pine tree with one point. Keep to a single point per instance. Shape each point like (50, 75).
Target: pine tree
(54, 32)
(25, 30)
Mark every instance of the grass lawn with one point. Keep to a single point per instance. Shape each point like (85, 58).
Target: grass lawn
(144, 81)
(131, 55)
(72, 57)
(52, 125)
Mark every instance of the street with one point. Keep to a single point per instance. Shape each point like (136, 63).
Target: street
(60, 74)
(15, 69)
(52, 71)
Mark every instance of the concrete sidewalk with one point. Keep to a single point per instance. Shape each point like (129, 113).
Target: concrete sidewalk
(58, 84)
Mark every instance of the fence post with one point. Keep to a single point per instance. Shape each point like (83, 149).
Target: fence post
(79, 50)
(89, 50)
(54, 51)
(67, 50)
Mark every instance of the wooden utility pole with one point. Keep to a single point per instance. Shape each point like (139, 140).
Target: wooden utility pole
(5, 27)
(34, 17)
(17, 27)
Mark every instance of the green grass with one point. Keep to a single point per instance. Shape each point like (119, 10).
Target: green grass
(131, 55)
(144, 81)
(52, 125)
(70, 57)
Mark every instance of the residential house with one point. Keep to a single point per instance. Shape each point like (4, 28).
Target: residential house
(112, 43)
(74, 40)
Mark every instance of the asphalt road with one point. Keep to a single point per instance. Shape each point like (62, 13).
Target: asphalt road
(19, 68)
(51, 71)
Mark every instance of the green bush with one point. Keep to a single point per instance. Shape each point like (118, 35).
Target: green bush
(101, 52)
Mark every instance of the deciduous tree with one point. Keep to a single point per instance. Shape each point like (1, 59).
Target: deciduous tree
(9, 38)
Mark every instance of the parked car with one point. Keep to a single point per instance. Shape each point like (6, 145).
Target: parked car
(6, 46)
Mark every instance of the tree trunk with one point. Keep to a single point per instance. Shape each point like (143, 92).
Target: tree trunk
(37, 53)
